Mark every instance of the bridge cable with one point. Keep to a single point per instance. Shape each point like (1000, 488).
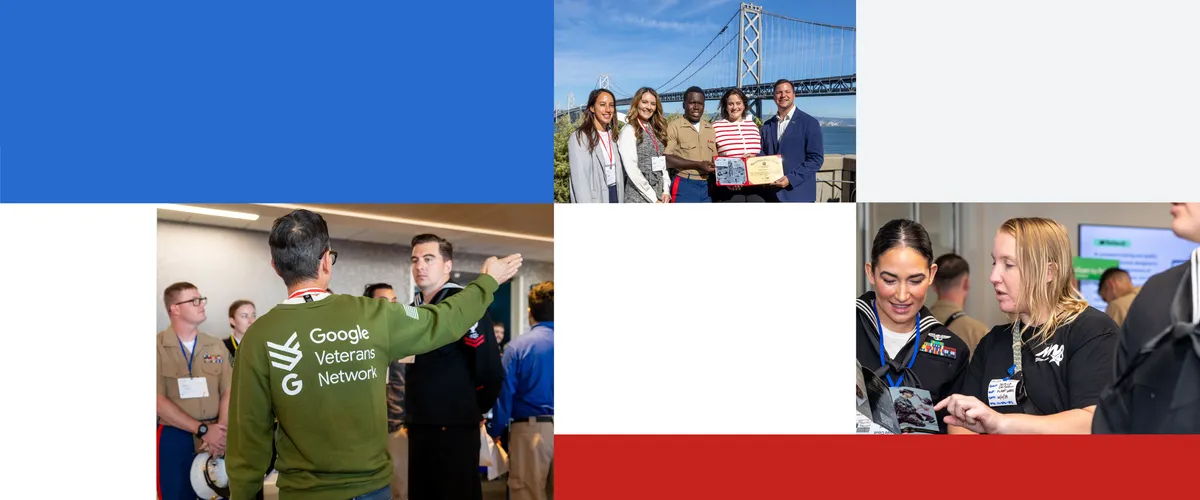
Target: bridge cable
(702, 50)
(700, 68)
(834, 26)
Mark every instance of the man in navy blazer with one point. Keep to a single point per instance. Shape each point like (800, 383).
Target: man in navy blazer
(800, 144)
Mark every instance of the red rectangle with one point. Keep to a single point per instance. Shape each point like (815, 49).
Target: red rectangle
(974, 467)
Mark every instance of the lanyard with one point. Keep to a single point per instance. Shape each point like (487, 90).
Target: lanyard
(883, 360)
(653, 139)
(1016, 348)
(185, 355)
(1195, 286)
(305, 291)
(235, 342)
(607, 148)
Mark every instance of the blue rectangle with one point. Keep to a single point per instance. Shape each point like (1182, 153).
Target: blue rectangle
(154, 101)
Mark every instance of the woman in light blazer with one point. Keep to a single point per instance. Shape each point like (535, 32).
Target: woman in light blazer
(596, 175)
(642, 144)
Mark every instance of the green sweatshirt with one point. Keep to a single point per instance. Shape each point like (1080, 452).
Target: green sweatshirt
(319, 369)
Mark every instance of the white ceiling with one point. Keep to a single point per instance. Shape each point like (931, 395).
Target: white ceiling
(516, 223)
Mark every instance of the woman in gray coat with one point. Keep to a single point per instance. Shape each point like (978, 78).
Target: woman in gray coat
(596, 175)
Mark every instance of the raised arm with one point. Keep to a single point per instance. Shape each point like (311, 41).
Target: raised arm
(418, 330)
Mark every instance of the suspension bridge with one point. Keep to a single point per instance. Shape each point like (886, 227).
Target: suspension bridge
(753, 50)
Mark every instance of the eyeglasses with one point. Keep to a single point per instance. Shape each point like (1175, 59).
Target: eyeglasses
(333, 255)
(198, 301)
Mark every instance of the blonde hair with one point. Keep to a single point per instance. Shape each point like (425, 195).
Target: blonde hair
(657, 124)
(1044, 262)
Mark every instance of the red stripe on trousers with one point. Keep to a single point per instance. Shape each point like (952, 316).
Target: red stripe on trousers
(675, 189)
(158, 465)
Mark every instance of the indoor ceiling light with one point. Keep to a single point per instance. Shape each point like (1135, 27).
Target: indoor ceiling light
(413, 222)
(210, 211)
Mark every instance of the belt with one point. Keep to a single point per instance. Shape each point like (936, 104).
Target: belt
(692, 175)
(537, 419)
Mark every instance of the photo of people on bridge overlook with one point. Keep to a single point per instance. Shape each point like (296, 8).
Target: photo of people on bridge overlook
(663, 101)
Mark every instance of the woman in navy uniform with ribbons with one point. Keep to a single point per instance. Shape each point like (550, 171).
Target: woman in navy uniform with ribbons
(898, 338)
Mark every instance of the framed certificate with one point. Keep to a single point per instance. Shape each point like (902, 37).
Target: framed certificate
(758, 170)
(731, 171)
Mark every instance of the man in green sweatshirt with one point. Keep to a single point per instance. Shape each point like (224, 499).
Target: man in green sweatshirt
(316, 363)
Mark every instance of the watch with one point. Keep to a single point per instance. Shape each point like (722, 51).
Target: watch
(202, 430)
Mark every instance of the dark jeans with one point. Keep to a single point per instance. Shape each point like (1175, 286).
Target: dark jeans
(384, 493)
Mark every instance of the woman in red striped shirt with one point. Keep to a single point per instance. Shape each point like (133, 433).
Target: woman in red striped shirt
(737, 135)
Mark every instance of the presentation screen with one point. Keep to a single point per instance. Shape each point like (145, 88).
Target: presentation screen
(1143, 251)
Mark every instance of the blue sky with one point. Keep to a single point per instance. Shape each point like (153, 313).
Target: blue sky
(645, 42)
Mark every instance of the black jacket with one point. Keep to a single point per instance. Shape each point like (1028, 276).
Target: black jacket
(229, 346)
(1156, 381)
(457, 383)
(941, 375)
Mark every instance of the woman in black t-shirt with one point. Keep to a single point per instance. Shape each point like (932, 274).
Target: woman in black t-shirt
(1043, 373)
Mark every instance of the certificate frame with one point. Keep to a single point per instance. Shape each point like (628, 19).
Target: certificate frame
(745, 170)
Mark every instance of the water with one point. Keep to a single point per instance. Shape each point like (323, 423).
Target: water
(839, 140)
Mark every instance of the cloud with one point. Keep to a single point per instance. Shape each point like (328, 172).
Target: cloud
(571, 9)
(682, 27)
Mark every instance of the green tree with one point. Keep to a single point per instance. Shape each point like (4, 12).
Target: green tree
(563, 128)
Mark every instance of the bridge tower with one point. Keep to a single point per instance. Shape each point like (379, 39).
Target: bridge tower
(571, 106)
(602, 82)
(750, 56)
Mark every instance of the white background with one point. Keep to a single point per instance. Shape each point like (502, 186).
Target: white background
(704, 319)
(1027, 100)
(78, 366)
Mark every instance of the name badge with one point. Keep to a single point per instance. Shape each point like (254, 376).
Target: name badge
(191, 388)
(1002, 392)
(610, 175)
(658, 164)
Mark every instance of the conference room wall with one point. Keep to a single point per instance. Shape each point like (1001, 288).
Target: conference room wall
(230, 264)
(980, 222)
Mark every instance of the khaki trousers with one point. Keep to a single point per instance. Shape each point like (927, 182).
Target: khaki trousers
(398, 448)
(531, 460)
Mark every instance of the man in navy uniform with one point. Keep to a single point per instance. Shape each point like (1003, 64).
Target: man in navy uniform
(447, 391)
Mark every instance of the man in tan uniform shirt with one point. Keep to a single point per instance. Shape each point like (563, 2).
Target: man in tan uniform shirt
(691, 146)
(194, 376)
(1118, 291)
(952, 283)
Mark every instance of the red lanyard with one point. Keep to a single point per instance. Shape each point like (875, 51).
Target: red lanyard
(607, 148)
(305, 291)
(653, 140)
